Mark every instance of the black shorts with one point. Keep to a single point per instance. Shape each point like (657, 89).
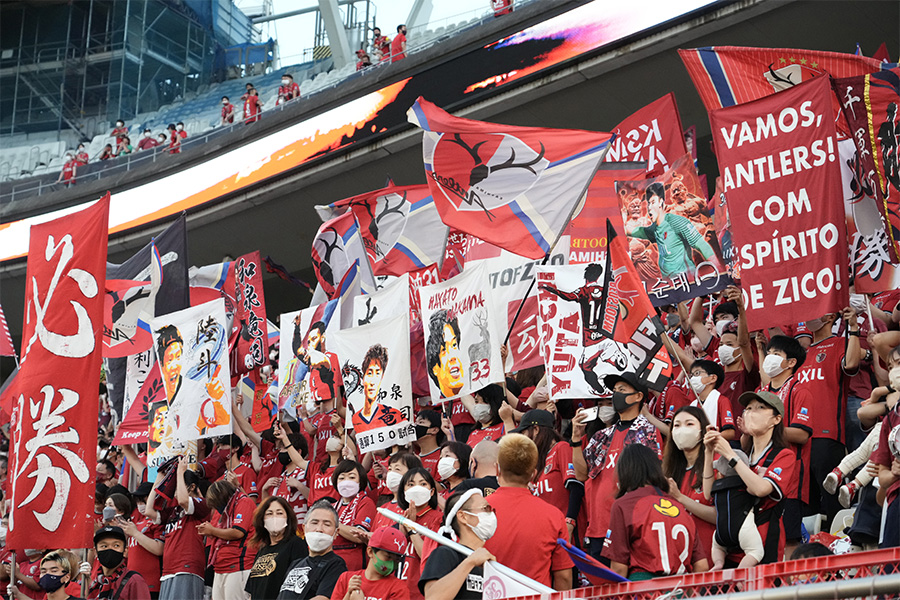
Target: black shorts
(794, 511)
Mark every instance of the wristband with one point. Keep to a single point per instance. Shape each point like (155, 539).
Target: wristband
(890, 389)
(575, 444)
(570, 521)
(853, 333)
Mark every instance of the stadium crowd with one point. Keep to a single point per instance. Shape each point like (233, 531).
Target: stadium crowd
(714, 472)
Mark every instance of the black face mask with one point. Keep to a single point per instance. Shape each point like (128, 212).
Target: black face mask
(50, 583)
(620, 402)
(421, 431)
(110, 558)
(284, 458)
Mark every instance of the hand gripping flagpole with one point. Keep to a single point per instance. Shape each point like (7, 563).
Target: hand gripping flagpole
(538, 587)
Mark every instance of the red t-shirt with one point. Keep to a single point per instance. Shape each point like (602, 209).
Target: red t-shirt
(459, 415)
(228, 112)
(823, 374)
(705, 529)
(430, 461)
(324, 431)
(383, 521)
(142, 560)
(247, 479)
(558, 474)
(119, 133)
(493, 433)
(231, 556)
(68, 170)
(386, 588)
(797, 409)
(886, 301)
(269, 465)
(31, 568)
(251, 108)
(736, 383)
(320, 482)
(531, 550)
(294, 496)
(600, 492)
(378, 487)
(782, 473)
(82, 158)
(411, 569)
(724, 415)
(651, 532)
(672, 398)
(359, 512)
(882, 454)
(396, 47)
(183, 548)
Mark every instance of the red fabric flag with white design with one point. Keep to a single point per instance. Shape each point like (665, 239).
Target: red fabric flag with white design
(6, 343)
(55, 403)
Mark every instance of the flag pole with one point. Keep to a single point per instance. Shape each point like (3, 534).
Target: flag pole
(538, 587)
(572, 210)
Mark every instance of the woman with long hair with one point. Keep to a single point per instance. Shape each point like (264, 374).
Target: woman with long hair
(683, 460)
(650, 533)
(452, 468)
(356, 512)
(771, 474)
(486, 412)
(419, 502)
(278, 545)
(231, 560)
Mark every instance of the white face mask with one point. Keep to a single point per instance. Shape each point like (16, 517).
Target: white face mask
(772, 365)
(333, 444)
(311, 407)
(285, 82)
(721, 324)
(275, 524)
(696, 345)
(417, 495)
(697, 383)
(161, 139)
(318, 541)
(146, 134)
(727, 354)
(446, 467)
(607, 414)
(348, 488)
(894, 378)
(859, 303)
(686, 437)
(487, 525)
(481, 413)
(392, 481)
(179, 127)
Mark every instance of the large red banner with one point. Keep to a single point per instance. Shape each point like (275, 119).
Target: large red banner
(250, 348)
(778, 159)
(653, 135)
(55, 405)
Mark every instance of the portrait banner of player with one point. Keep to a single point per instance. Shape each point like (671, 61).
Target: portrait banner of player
(870, 246)
(671, 236)
(652, 134)
(53, 399)
(778, 160)
(308, 369)
(374, 360)
(722, 223)
(192, 352)
(462, 339)
(576, 355)
(869, 103)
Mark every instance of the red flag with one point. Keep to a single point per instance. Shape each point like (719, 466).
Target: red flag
(335, 248)
(6, 343)
(55, 404)
(778, 162)
(515, 187)
(400, 228)
(630, 319)
(652, 134)
(133, 429)
(251, 348)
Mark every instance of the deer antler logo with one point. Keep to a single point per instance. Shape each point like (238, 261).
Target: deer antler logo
(323, 266)
(504, 168)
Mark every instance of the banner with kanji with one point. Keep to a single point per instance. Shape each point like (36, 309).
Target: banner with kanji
(250, 347)
(778, 160)
(587, 229)
(870, 260)
(514, 187)
(576, 355)
(192, 352)
(653, 135)
(374, 360)
(400, 228)
(53, 429)
(671, 237)
(462, 339)
(308, 369)
(869, 103)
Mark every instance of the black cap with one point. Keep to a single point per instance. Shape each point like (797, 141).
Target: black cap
(628, 377)
(110, 532)
(536, 416)
(143, 490)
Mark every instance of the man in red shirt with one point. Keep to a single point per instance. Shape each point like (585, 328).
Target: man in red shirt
(595, 463)
(288, 90)
(398, 44)
(174, 140)
(69, 171)
(377, 581)
(827, 376)
(531, 548)
(114, 579)
(227, 111)
(119, 132)
(381, 45)
(81, 155)
(147, 141)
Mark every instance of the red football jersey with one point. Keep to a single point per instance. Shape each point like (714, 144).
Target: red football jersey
(142, 560)
(383, 521)
(673, 397)
(558, 473)
(231, 556)
(294, 496)
(823, 374)
(459, 414)
(724, 417)
(247, 479)
(31, 568)
(651, 532)
(430, 461)
(324, 431)
(359, 512)
(411, 569)
(269, 467)
(705, 529)
(736, 383)
(386, 588)
(600, 492)
(494, 433)
(319, 482)
(183, 547)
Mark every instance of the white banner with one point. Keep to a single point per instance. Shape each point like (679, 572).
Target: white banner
(576, 357)
(388, 302)
(374, 360)
(308, 371)
(462, 340)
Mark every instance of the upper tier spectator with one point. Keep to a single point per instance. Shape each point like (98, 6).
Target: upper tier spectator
(81, 155)
(381, 45)
(179, 127)
(288, 90)
(147, 141)
(227, 111)
(398, 45)
(120, 131)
